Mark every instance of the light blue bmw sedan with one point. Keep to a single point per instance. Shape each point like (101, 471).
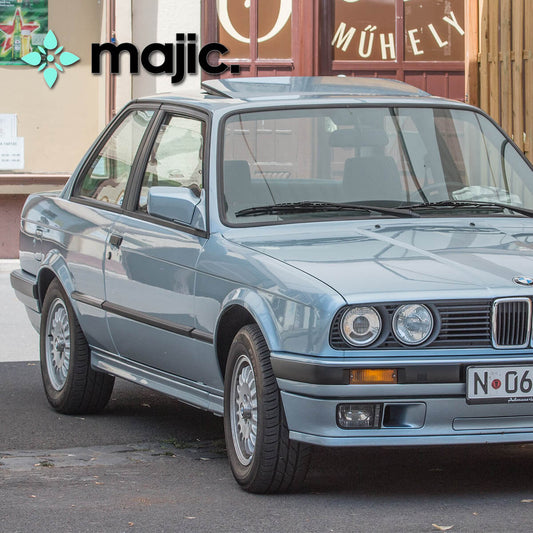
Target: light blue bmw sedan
(322, 261)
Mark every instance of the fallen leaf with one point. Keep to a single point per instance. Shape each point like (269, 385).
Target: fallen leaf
(98, 482)
(33, 496)
(475, 514)
(145, 405)
(442, 528)
(131, 524)
(526, 501)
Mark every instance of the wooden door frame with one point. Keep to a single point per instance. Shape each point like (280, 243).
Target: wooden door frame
(303, 16)
(472, 52)
(313, 53)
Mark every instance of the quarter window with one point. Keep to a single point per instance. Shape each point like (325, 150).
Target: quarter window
(108, 174)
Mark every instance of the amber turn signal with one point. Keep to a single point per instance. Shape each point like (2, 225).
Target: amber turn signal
(368, 376)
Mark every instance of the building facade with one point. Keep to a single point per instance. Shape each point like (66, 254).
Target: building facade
(420, 42)
(436, 45)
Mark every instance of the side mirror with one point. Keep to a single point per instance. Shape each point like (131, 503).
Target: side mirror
(178, 204)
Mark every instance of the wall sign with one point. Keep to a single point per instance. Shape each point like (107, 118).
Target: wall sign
(12, 153)
(23, 27)
(366, 30)
(8, 125)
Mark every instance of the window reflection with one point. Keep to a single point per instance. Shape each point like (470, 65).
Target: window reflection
(364, 30)
(434, 30)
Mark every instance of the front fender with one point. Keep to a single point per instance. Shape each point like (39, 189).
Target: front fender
(260, 310)
(287, 325)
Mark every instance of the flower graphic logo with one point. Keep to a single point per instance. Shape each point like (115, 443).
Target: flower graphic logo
(47, 61)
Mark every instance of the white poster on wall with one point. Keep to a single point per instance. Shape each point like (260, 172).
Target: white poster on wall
(11, 153)
(8, 125)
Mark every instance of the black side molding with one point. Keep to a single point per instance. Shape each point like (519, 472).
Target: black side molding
(201, 336)
(146, 319)
(143, 318)
(86, 299)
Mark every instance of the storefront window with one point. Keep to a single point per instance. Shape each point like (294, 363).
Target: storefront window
(364, 30)
(272, 32)
(274, 29)
(434, 30)
(234, 27)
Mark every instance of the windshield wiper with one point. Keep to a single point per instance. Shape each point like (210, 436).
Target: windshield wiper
(468, 203)
(309, 207)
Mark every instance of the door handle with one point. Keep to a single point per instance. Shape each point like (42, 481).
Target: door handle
(115, 240)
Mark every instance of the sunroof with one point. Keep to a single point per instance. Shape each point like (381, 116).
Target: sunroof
(247, 88)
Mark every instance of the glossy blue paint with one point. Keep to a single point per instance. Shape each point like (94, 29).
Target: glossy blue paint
(174, 204)
(291, 278)
(398, 259)
(293, 309)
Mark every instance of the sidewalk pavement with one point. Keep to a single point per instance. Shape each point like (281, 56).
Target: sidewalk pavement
(18, 340)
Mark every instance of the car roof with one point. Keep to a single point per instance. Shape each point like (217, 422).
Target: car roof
(270, 87)
(230, 92)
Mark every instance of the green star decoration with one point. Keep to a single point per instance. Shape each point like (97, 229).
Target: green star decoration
(47, 61)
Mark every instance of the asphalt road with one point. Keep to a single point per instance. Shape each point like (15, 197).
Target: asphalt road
(149, 463)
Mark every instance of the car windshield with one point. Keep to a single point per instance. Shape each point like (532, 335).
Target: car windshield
(393, 157)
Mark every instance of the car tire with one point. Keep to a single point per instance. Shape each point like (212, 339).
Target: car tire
(70, 384)
(262, 457)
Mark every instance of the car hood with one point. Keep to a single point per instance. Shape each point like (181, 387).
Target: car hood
(402, 259)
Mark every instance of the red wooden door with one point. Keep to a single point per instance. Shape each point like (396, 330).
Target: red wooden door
(420, 42)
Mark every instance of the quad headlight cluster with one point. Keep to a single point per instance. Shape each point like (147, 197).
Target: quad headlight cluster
(361, 326)
(412, 324)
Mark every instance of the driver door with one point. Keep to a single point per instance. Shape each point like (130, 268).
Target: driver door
(150, 269)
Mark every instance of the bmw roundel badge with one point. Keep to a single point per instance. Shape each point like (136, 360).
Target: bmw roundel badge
(523, 280)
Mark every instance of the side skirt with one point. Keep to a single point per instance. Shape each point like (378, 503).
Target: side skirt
(182, 389)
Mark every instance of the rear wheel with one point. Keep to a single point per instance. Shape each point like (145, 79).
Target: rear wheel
(261, 455)
(70, 384)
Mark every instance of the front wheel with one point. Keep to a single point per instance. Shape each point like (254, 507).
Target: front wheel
(70, 384)
(262, 457)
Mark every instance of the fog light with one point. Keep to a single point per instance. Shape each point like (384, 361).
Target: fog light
(362, 376)
(359, 415)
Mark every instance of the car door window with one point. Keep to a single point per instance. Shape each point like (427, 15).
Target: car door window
(106, 178)
(176, 158)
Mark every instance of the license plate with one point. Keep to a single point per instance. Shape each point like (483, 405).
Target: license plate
(499, 384)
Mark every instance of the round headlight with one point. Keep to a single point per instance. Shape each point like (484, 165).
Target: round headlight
(412, 323)
(361, 326)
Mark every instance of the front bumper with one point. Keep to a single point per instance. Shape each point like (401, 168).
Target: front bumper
(431, 413)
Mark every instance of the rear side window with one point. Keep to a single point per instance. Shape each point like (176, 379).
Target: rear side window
(106, 178)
